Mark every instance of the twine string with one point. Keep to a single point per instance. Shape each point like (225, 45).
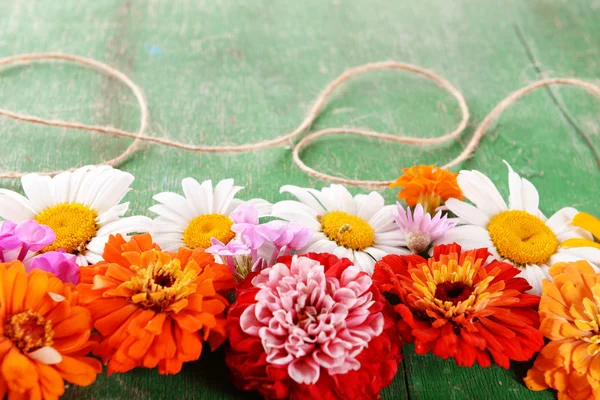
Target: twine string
(467, 152)
(305, 125)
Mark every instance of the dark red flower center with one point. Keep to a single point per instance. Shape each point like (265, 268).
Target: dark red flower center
(453, 292)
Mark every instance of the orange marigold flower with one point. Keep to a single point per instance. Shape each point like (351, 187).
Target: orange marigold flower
(428, 186)
(570, 318)
(456, 307)
(45, 335)
(154, 308)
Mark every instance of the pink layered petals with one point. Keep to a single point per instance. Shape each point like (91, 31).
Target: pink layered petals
(61, 264)
(308, 320)
(421, 228)
(293, 236)
(33, 235)
(18, 240)
(233, 248)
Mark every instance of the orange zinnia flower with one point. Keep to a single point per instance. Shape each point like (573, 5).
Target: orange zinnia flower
(154, 308)
(456, 307)
(570, 318)
(44, 335)
(428, 186)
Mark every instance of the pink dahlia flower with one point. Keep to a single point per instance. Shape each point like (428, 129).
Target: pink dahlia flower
(313, 326)
(310, 320)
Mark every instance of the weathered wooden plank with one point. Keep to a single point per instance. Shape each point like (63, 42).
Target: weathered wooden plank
(232, 72)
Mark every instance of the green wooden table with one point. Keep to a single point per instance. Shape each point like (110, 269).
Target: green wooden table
(234, 71)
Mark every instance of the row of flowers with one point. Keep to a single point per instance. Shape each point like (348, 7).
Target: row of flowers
(327, 287)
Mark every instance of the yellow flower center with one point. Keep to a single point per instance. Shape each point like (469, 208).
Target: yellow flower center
(347, 230)
(161, 282)
(29, 331)
(73, 224)
(591, 324)
(202, 228)
(522, 238)
(449, 288)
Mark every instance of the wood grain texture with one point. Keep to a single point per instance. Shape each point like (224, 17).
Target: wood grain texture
(236, 71)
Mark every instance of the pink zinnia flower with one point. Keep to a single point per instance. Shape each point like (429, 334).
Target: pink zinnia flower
(311, 320)
(420, 228)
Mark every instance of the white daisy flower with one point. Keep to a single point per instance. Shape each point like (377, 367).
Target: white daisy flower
(201, 214)
(360, 228)
(82, 207)
(518, 233)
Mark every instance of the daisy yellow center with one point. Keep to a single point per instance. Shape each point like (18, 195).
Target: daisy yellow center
(202, 228)
(522, 238)
(161, 283)
(73, 224)
(29, 331)
(347, 230)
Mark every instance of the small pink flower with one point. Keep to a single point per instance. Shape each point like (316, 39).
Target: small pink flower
(420, 228)
(233, 248)
(61, 264)
(293, 235)
(308, 319)
(8, 240)
(34, 236)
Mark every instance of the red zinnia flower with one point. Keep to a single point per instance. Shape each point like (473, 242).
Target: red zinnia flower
(456, 307)
(312, 326)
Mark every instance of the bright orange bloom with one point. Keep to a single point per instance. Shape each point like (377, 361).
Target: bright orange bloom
(44, 335)
(590, 224)
(154, 308)
(428, 186)
(456, 307)
(570, 318)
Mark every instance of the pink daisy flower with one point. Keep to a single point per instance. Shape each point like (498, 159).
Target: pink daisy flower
(420, 228)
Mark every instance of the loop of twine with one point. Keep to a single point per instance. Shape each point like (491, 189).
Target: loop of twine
(140, 135)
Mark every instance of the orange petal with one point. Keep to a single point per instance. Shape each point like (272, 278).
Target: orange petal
(80, 371)
(113, 321)
(18, 371)
(156, 324)
(51, 382)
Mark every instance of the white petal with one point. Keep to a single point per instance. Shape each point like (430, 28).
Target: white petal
(590, 254)
(383, 220)
(364, 262)
(224, 194)
(376, 252)
(523, 195)
(467, 213)
(469, 237)
(304, 196)
(208, 191)
(342, 197)
(343, 252)
(170, 214)
(56, 297)
(480, 190)
(112, 214)
(62, 186)
(400, 250)
(46, 355)
(561, 225)
(291, 210)
(39, 190)
(534, 275)
(198, 199)
(82, 261)
(368, 204)
(177, 203)
(162, 224)
(125, 226)
(322, 246)
(391, 238)
(15, 207)
(264, 207)
(115, 187)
